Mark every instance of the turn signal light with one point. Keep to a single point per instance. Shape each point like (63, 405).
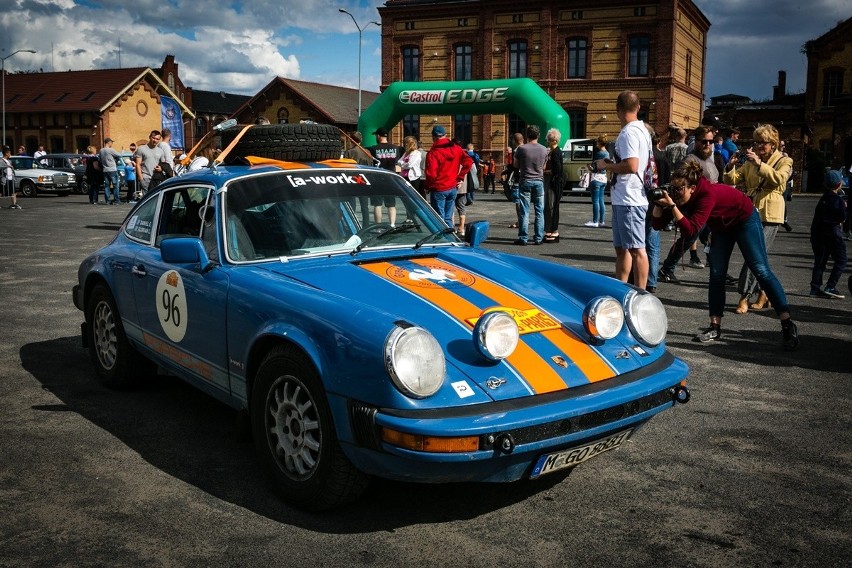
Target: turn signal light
(435, 444)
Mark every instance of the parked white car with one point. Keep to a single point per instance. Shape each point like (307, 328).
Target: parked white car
(31, 178)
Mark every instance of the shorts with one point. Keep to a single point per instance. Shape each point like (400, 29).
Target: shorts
(386, 200)
(461, 200)
(9, 188)
(628, 226)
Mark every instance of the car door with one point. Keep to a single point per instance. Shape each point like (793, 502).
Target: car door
(181, 308)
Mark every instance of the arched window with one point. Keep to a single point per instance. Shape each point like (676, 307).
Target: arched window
(170, 81)
(577, 50)
(517, 59)
(283, 116)
(200, 126)
(640, 49)
(464, 62)
(410, 63)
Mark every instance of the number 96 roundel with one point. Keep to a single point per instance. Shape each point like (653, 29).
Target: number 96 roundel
(171, 305)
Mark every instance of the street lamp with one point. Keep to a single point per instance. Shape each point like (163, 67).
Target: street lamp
(3, 73)
(360, 29)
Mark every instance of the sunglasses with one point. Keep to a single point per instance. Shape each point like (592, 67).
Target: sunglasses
(705, 142)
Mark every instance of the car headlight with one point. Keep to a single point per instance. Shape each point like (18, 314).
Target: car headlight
(646, 317)
(45, 179)
(415, 361)
(496, 335)
(603, 317)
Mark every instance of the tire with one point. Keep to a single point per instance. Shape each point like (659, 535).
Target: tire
(28, 189)
(117, 363)
(288, 142)
(294, 434)
(84, 187)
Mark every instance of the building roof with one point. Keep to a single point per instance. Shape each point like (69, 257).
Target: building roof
(93, 90)
(838, 33)
(336, 104)
(217, 102)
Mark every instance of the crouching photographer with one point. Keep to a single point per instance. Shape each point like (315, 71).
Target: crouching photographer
(692, 201)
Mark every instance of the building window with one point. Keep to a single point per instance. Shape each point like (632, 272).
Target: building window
(640, 11)
(200, 126)
(171, 82)
(640, 47)
(410, 63)
(688, 68)
(517, 18)
(577, 118)
(82, 143)
(517, 59)
(576, 14)
(32, 120)
(464, 62)
(516, 124)
(462, 22)
(411, 125)
(56, 144)
(832, 85)
(463, 128)
(283, 116)
(409, 25)
(576, 58)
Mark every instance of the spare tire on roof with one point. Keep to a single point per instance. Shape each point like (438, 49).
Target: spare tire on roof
(288, 142)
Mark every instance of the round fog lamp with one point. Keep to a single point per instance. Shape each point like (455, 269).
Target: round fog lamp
(496, 335)
(603, 317)
(646, 318)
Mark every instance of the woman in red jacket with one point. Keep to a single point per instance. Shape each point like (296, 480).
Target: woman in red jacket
(692, 202)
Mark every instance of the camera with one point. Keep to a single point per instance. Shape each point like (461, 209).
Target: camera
(655, 193)
(741, 156)
(593, 167)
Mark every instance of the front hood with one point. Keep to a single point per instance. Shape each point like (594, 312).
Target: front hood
(446, 293)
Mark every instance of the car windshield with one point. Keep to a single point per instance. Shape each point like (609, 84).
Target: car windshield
(313, 212)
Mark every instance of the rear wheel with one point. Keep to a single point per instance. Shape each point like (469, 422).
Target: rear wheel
(84, 187)
(117, 363)
(288, 142)
(28, 189)
(294, 434)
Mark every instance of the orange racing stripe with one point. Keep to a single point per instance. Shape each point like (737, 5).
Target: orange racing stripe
(587, 359)
(537, 372)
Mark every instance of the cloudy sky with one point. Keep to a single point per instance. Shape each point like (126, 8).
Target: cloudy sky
(238, 46)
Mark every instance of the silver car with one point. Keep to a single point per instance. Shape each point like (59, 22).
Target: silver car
(31, 178)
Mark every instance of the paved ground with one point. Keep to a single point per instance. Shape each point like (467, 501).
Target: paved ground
(753, 472)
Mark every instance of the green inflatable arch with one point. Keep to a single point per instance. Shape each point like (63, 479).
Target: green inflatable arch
(520, 96)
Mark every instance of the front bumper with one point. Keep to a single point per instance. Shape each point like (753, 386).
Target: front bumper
(512, 434)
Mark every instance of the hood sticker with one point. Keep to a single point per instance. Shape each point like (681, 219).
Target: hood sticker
(431, 276)
(529, 321)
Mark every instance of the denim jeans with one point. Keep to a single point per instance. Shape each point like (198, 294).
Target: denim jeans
(598, 206)
(532, 191)
(826, 247)
(748, 236)
(111, 179)
(443, 202)
(652, 248)
(748, 281)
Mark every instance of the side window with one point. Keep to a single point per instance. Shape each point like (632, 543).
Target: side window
(141, 224)
(182, 212)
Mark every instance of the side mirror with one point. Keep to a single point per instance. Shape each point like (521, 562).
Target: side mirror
(476, 233)
(185, 250)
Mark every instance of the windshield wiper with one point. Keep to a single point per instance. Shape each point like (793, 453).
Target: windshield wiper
(427, 238)
(389, 231)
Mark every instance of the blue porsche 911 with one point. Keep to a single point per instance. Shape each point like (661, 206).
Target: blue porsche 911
(362, 348)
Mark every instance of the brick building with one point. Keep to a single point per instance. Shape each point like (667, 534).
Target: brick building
(582, 54)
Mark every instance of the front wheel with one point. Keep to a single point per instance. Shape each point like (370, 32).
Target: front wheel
(117, 363)
(28, 189)
(294, 434)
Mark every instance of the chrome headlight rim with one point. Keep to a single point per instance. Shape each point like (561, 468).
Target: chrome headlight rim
(392, 354)
(598, 307)
(495, 322)
(631, 301)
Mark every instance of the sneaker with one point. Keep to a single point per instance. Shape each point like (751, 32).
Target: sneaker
(16, 206)
(730, 280)
(695, 262)
(667, 276)
(712, 333)
(651, 289)
(830, 292)
(590, 224)
(602, 224)
(521, 243)
(817, 293)
(790, 335)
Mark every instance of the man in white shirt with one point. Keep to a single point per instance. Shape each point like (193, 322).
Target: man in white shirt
(39, 153)
(629, 204)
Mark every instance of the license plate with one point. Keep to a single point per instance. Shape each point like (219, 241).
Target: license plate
(549, 463)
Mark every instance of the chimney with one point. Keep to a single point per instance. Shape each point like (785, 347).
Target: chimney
(780, 89)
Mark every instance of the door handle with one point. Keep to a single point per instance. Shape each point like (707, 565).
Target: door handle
(139, 271)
